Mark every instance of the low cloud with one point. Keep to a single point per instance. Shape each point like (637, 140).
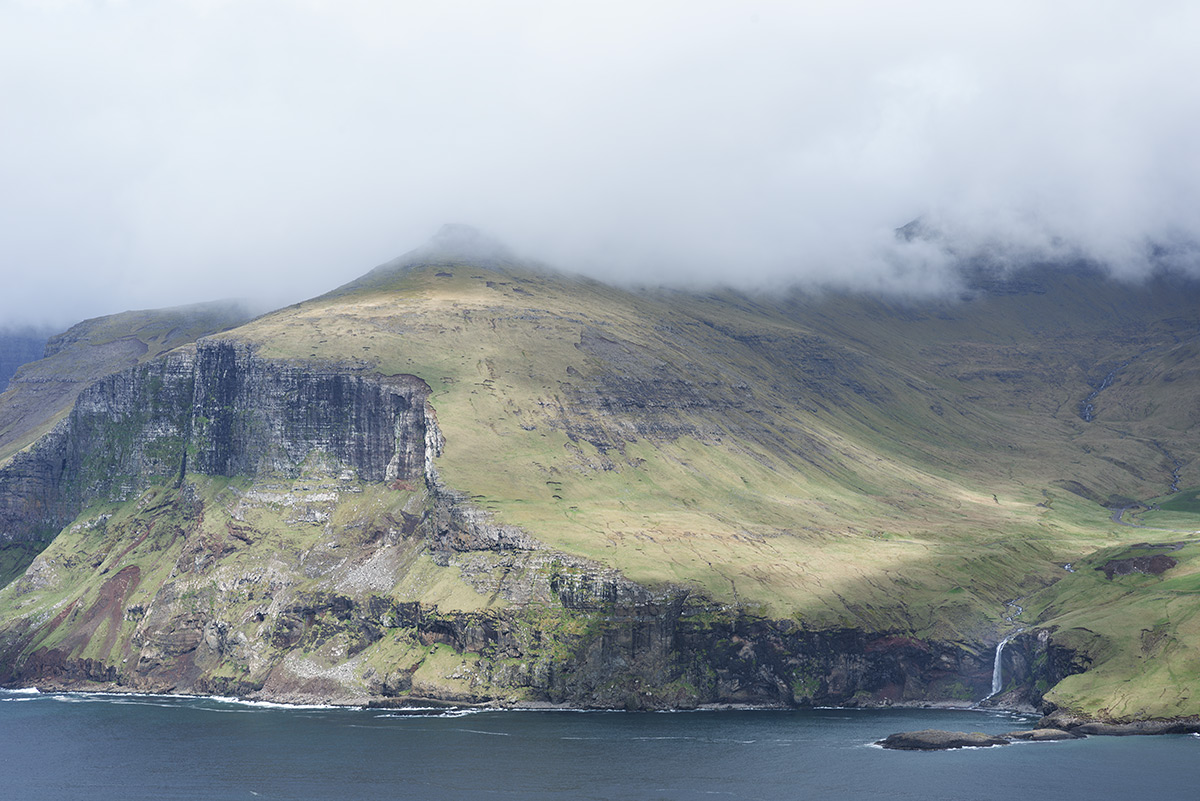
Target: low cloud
(158, 153)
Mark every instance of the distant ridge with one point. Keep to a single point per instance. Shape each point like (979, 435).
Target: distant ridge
(20, 346)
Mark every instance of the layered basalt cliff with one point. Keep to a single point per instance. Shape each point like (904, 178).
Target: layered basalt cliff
(669, 653)
(43, 392)
(215, 409)
(252, 417)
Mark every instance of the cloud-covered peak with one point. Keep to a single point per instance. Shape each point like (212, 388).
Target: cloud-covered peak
(159, 154)
(462, 242)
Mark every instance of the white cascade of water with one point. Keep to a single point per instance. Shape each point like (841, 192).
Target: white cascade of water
(997, 669)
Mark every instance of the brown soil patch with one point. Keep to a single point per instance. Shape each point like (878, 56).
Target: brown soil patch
(110, 606)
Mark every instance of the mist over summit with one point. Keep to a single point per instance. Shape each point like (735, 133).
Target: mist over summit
(163, 154)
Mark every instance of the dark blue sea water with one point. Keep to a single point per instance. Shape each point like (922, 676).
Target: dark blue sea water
(97, 747)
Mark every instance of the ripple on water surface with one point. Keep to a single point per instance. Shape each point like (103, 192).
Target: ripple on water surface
(103, 746)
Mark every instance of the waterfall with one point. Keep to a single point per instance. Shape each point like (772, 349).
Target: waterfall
(997, 670)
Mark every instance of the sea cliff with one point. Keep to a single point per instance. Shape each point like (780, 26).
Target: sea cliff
(177, 482)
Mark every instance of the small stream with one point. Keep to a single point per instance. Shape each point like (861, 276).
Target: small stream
(1087, 409)
(1175, 475)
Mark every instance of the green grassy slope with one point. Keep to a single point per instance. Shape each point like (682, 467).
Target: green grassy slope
(835, 459)
(1141, 630)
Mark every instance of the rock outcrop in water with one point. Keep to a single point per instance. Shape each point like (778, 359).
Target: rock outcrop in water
(938, 740)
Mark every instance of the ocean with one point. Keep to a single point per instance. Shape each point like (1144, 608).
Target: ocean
(100, 746)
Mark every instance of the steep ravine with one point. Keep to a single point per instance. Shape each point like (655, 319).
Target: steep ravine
(278, 530)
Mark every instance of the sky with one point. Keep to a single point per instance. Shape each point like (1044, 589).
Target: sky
(159, 153)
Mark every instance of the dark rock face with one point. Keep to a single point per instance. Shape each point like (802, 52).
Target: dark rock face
(653, 653)
(44, 391)
(624, 650)
(252, 417)
(1041, 735)
(756, 660)
(938, 740)
(30, 505)
(1033, 662)
(1154, 565)
(217, 410)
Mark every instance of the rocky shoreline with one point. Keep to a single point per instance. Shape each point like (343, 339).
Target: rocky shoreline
(1052, 727)
(939, 740)
(1088, 726)
(1055, 726)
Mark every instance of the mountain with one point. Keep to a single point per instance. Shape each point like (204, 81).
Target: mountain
(464, 478)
